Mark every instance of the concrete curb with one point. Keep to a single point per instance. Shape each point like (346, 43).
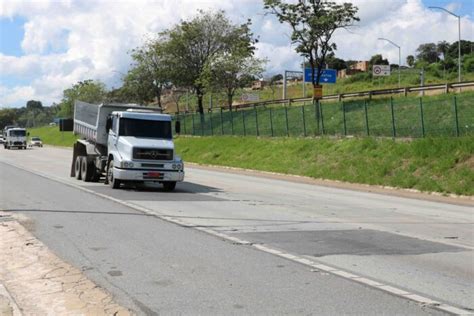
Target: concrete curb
(8, 307)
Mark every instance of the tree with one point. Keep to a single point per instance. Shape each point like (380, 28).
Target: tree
(88, 91)
(377, 60)
(336, 63)
(137, 86)
(7, 117)
(427, 52)
(442, 48)
(232, 72)
(313, 24)
(34, 105)
(150, 70)
(466, 48)
(410, 60)
(192, 46)
(272, 83)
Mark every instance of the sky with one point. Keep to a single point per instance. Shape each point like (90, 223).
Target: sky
(48, 45)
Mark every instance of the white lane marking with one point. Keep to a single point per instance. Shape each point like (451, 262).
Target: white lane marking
(425, 301)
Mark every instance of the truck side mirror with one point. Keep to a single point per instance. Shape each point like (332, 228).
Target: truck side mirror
(108, 124)
(177, 127)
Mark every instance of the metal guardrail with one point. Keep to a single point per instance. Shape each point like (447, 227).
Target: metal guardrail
(444, 86)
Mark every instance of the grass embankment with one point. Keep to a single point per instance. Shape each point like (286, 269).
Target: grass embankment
(439, 165)
(52, 136)
(443, 115)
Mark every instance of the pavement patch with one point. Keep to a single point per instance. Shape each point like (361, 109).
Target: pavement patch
(363, 242)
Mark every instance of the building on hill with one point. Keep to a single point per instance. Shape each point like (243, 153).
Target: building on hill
(358, 67)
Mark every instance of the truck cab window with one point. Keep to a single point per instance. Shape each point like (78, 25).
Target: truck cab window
(114, 124)
(145, 128)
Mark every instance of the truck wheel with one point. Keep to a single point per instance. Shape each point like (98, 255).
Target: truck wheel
(77, 167)
(87, 170)
(114, 183)
(169, 186)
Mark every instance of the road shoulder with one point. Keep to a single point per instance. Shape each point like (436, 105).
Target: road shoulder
(40, 283)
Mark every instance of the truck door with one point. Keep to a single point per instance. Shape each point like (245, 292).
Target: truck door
(113, 132)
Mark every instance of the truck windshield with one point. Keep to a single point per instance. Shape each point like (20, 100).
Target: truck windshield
(17, 133)
(145, 128)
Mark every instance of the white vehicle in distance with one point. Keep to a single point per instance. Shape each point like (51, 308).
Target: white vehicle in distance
(15, 137)
(35, 141)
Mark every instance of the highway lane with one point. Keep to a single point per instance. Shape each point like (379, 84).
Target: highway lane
(420, 246)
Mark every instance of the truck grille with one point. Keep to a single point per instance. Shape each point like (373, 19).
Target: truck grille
(152, 154)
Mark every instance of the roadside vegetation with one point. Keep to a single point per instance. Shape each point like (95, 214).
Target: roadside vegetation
(442, 115)
(443, 165)
(52, 136)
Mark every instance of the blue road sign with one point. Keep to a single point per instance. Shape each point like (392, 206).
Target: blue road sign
(328, 76)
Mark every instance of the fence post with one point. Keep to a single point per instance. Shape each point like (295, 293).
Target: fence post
(422, 119)
(322, 118)
(286, 118)
(203, 121)
(271, 121)
(210, 123)
(243, 122)
(394, 131)
(184, 124)
(222, 124)
(366, 118)
(232, 122)
(256, 120)
(344, 118)
(194, 130)
(304, 121)
(456, 119)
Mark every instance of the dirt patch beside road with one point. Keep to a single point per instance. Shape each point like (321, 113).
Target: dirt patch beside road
(41, 283)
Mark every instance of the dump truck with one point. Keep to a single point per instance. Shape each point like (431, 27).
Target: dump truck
(125, 144)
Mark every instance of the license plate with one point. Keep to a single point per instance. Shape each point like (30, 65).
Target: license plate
(154, 174)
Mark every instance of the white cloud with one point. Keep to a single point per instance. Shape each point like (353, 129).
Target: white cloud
(68, 41)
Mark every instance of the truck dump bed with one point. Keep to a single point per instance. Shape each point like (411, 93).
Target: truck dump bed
(90, 119)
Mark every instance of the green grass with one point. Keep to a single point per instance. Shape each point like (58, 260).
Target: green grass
(345, 118)
(52, 136)
(440, 165)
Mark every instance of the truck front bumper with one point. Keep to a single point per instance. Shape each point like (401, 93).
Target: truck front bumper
(148, 175)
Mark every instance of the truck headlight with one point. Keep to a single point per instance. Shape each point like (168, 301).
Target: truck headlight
(127, 164)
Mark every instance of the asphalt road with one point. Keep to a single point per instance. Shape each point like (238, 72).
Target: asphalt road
(158, 267)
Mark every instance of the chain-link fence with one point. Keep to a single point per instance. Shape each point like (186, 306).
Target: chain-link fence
(401, 117)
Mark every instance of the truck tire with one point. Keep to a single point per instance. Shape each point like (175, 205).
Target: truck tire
(113, 183)
(77, 167)
(87, 170)
(169, 186)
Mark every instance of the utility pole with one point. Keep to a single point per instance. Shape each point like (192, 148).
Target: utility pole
(459, 38)
(399, 56)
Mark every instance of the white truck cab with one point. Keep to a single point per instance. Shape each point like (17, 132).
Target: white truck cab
(15, 137)
(140, 147)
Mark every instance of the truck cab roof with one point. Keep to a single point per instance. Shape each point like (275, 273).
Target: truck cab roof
(142, 115)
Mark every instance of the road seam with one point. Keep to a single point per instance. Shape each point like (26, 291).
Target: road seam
(424, 301)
